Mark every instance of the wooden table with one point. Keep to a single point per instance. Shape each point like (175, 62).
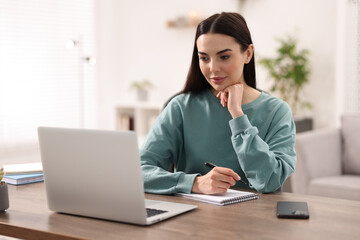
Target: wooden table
(29, 218)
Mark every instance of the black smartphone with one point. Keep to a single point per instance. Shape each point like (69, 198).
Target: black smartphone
(292, 210)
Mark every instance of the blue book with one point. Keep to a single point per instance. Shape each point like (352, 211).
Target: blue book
(20, 179)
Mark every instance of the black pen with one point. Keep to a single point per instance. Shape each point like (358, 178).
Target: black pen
(213, 165)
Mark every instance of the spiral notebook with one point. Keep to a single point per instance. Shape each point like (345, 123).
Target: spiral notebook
(230, 197)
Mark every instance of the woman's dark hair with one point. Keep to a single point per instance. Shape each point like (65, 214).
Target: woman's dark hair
(231, 24)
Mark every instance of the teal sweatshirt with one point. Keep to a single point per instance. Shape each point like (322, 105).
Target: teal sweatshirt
(196, 128)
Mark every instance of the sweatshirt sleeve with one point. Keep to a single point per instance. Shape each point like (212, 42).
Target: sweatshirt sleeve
(266, 163)
(162, 147)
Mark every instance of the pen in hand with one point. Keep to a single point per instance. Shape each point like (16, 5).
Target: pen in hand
(213, 165)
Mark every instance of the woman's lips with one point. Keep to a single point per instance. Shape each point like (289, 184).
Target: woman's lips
(217, 80)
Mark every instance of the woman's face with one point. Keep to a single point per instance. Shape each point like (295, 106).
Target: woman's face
(221, 60)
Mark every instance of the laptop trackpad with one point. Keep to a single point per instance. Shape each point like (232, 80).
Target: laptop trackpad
(149, 202)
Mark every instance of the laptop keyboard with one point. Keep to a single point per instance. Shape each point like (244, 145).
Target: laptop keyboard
(152, 212)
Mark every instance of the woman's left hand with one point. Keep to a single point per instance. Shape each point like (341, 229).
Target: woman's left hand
(231, 97)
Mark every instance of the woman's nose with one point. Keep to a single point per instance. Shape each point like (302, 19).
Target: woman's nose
(214, 66)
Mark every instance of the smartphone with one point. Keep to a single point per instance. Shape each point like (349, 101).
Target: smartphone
(292, 210)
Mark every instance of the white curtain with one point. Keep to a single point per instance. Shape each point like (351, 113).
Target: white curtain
(44, 80)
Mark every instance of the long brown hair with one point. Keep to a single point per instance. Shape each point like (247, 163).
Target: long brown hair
(231, 24)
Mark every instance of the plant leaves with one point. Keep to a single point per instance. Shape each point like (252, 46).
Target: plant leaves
(289, 70)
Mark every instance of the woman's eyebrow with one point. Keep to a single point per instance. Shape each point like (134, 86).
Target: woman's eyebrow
(202, 53)
(220, 52)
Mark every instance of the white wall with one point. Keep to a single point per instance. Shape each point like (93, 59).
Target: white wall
(134, 43)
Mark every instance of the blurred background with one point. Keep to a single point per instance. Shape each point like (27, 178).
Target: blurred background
(112, 64)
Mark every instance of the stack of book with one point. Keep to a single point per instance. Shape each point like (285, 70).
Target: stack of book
(18, 174)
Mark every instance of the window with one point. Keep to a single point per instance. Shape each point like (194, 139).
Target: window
(44, 79)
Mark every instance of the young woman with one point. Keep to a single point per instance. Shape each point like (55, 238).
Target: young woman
(220, 117)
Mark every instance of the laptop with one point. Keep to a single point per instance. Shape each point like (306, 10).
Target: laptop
(97, 173)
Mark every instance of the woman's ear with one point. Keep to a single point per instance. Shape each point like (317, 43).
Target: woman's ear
(249, 53)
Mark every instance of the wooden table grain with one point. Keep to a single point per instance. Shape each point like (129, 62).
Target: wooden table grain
(29, 218)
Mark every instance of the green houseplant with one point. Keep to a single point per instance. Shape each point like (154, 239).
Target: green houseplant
(4, 196)
(142, 88)
(289, 71)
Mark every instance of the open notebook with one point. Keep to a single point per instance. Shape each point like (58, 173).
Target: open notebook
(230, 197)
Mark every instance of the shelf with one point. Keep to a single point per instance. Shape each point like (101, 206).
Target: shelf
(142, 105)
(137, 116)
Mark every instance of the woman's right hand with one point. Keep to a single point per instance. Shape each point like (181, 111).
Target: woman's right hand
(218, 180)
(231, 97)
